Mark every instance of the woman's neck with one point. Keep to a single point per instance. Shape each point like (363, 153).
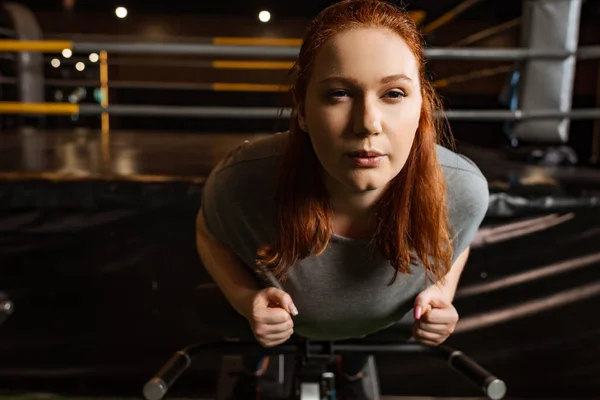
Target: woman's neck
(353, 212)
(357, 204)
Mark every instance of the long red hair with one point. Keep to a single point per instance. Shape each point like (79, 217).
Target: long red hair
(412, 213)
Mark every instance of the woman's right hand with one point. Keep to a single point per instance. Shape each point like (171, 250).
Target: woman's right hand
(270, 317)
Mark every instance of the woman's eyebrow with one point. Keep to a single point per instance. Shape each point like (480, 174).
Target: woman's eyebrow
(384, 80)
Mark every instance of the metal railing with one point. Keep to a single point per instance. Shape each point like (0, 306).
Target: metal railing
(284, 52)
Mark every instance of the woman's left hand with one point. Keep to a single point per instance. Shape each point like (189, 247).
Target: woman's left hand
(435, 317)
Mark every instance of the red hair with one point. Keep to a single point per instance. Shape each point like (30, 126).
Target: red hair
(412, 213)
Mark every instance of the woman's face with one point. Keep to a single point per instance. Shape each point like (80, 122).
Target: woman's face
(362, 108)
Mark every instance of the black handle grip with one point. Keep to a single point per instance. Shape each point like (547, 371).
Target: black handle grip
(493, 387)
(157, 387)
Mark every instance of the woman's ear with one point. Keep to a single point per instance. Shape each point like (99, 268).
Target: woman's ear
(302, 118)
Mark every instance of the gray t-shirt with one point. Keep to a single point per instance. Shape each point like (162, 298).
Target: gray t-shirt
(342, 293)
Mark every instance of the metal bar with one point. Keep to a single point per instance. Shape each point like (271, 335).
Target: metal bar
(105, 117)
(29, 65)
(104, 77)
(248, 41)
(179, 111)
(588, 52)
(162, 62)
(34, 45)
(498, 54)
(271, 112)
(143, 62)
(487, 33)
(595, 159)
(507, 115)
(189, 48)
(119, 84)
(7, 107)
(292, 52)
(215, 86)
(378, 348)
(224, 64)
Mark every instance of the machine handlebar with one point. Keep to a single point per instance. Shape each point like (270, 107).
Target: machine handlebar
(157, 387)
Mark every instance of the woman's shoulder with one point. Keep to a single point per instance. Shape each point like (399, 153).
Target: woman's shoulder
(458, 166)
(464, 179)
(468, 197)
(467, 190)
(246, 176)
(253, 154)
(238, 195)
(251, 162)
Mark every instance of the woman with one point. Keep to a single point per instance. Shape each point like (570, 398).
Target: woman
(361, 216)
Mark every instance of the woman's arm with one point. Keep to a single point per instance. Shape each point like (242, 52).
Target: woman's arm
(435, 316)
(450, 283)
(229, 273)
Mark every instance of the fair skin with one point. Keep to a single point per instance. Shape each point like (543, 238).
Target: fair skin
(364, 94)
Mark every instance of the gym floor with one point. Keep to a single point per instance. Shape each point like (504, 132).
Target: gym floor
(81, 154)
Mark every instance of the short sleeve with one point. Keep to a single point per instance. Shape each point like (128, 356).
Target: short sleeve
(215, 206)
(469, 204)
(238, 198)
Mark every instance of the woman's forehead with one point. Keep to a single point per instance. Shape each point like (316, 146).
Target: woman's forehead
(366, 53)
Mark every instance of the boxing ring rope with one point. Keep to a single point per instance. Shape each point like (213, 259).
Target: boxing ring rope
(216, 64)
(271, 112)
(122, 84)
(287, 52)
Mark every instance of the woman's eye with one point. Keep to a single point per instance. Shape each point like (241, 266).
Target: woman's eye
(339, 93)
(393, 94)
(396, 94)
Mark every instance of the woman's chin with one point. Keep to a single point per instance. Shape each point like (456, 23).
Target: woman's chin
(364, 185)
(358, 183)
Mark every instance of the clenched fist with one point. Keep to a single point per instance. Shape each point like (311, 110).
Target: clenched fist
(270, 317)
(435, 316)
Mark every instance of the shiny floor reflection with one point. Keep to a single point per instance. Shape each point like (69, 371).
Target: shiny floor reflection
(177, 155)
(128, 154)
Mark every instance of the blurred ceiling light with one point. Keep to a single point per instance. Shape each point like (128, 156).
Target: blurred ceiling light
(67, 53)
(121, 12)
(80, 66)
(55, 62)
(94, 57)
(264, 16)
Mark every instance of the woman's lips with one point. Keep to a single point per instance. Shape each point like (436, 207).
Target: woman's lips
(367, 158)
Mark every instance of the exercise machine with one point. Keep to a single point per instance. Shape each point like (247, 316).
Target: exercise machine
(313, 377)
